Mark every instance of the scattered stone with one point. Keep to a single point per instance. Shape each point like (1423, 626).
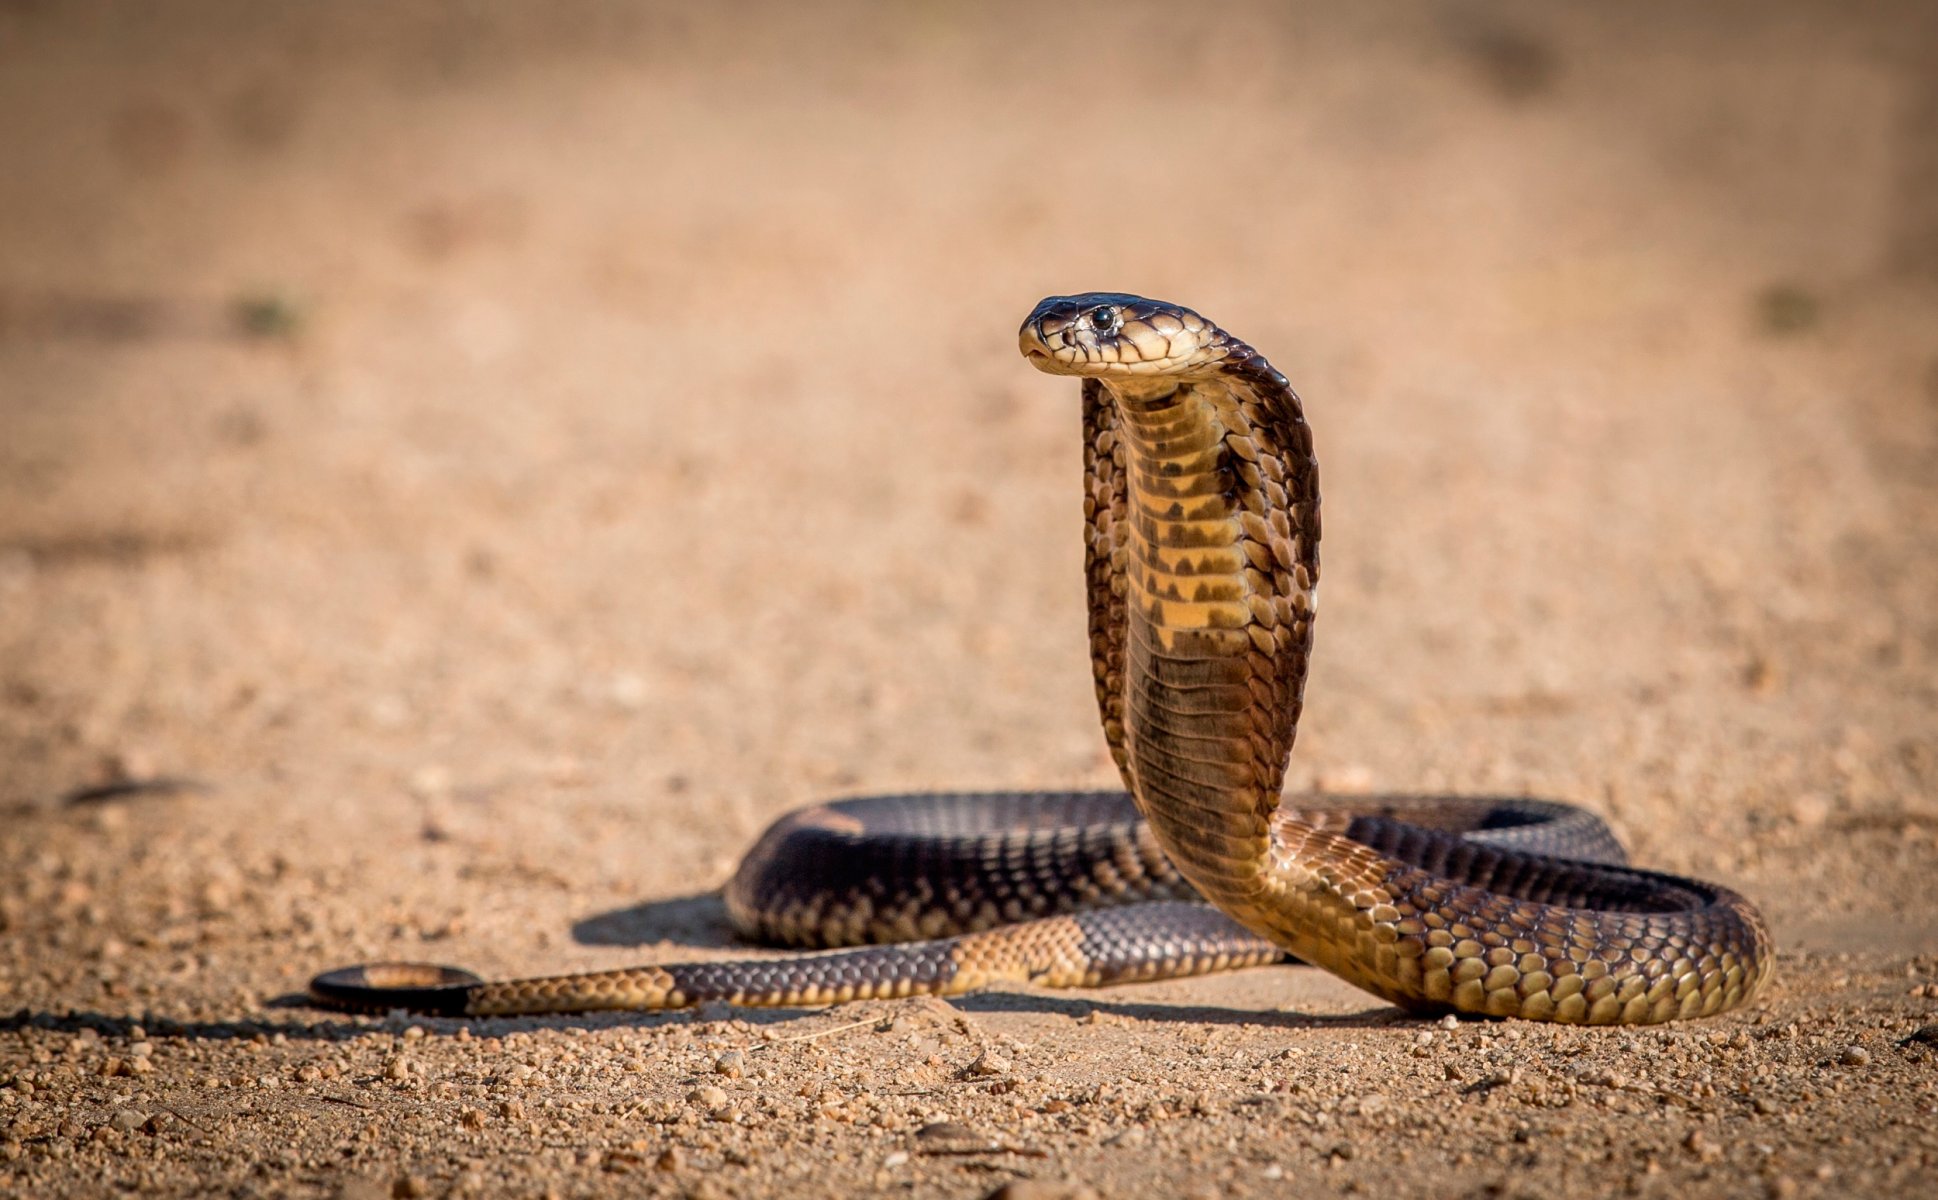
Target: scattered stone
(732, 1064)
(670, 1159)
(1038, 1189)
(711, 1098)
(939, 1132)
(1492, 1080)
(1810, 811)
(1855, 1056)
(1702, 1146)
(471, 1118)
(127, 1120)
(620, 1162)
(409, 1187)
(989, 1062)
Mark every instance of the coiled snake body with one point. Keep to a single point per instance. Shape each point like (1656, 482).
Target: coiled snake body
(1202, 507)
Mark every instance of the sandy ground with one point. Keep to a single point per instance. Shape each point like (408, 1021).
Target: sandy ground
(631, 445)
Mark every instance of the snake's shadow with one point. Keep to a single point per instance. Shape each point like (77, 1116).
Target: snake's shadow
(697, 920)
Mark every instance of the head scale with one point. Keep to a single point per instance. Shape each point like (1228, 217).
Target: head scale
(1111, 335)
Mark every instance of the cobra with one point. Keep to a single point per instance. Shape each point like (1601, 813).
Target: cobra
(1201, 507)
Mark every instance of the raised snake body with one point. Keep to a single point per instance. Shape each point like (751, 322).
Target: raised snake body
(1202, 534)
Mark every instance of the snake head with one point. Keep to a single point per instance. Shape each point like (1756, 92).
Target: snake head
(1110, 335)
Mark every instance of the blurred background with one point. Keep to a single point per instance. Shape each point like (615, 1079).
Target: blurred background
(489, 437)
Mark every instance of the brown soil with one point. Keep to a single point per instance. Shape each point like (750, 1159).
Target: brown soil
(509, 453)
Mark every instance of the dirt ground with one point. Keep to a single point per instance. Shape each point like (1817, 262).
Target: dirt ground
(503, 455)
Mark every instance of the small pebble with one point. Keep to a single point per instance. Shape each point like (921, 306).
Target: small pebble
(1038, 1189)
(1699, 1144)
(1855, 1056)
(732, 1064)
(989, 1063)
(711, 1098)
(948, 1131)
(127, 1120)
(1810, 811)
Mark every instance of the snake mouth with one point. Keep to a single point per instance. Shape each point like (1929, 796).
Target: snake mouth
(1035, 345)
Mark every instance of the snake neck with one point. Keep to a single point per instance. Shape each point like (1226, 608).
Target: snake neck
(1221, 561)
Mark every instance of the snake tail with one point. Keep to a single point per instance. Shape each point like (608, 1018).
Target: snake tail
(1130, 944)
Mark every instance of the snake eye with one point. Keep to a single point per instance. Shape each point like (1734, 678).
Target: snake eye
(1104, 319)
